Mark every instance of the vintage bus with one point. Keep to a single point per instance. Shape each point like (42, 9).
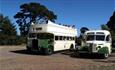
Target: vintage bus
(96, 41)
(48, 37)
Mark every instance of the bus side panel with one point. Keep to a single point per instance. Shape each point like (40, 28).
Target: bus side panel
(69, 44)
(109, 47)
(62, 45)
(58, 45)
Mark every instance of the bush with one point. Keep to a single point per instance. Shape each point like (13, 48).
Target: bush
(78, 41)
(10, 40)
(113, 41)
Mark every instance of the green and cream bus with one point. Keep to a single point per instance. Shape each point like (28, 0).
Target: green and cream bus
(49, 37)
(96, 41)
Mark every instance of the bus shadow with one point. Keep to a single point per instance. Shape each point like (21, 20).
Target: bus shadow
(38, 53)
(93, 57)
(110, 59)
(82, 56)
(27, 52)
(66, 52)
(105, 61)
(87, 56)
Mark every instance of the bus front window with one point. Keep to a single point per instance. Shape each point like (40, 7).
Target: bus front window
(32, 35)
(44, 36)
(100, 37)
(90, 37)
(95, 37)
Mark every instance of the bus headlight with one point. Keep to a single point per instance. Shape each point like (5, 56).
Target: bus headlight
(99, 46)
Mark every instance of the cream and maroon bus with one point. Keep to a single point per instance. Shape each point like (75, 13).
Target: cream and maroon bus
(48, 37)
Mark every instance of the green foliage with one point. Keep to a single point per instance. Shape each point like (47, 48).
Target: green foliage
(32, 12)
(104, 27)
(80, 38)
(111, 23)
(7, 31)
(21, 40)
(78, 41)
(84, 29)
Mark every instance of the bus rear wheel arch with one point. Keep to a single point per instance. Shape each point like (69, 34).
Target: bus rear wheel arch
(71, 47)
(49, 50)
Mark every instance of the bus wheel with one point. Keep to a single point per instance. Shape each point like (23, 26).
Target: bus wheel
(48, 51)
(106, 55)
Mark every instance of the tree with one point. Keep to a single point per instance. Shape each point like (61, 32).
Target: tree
(80, 39)
(6, 27)
(111, 23)
(83, 30)
(104, 27)
(32, 12)
(7, 30)
(111, 26)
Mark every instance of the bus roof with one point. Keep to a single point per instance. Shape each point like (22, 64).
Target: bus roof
(100, 32)
(53, 28)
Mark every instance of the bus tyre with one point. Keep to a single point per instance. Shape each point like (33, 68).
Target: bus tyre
(48, 51)
(106, 55)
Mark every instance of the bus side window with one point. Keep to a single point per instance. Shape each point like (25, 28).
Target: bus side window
(64, 37)
(60, 37)
(71, 38)
(56, 37)
(67, 38)
(108, 38)
(38, 36)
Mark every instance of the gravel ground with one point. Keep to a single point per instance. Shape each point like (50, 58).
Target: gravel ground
(17, 58)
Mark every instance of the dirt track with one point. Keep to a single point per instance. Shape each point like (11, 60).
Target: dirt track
(17, 58)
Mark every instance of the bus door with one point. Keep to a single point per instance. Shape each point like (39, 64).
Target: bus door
(35, 44)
